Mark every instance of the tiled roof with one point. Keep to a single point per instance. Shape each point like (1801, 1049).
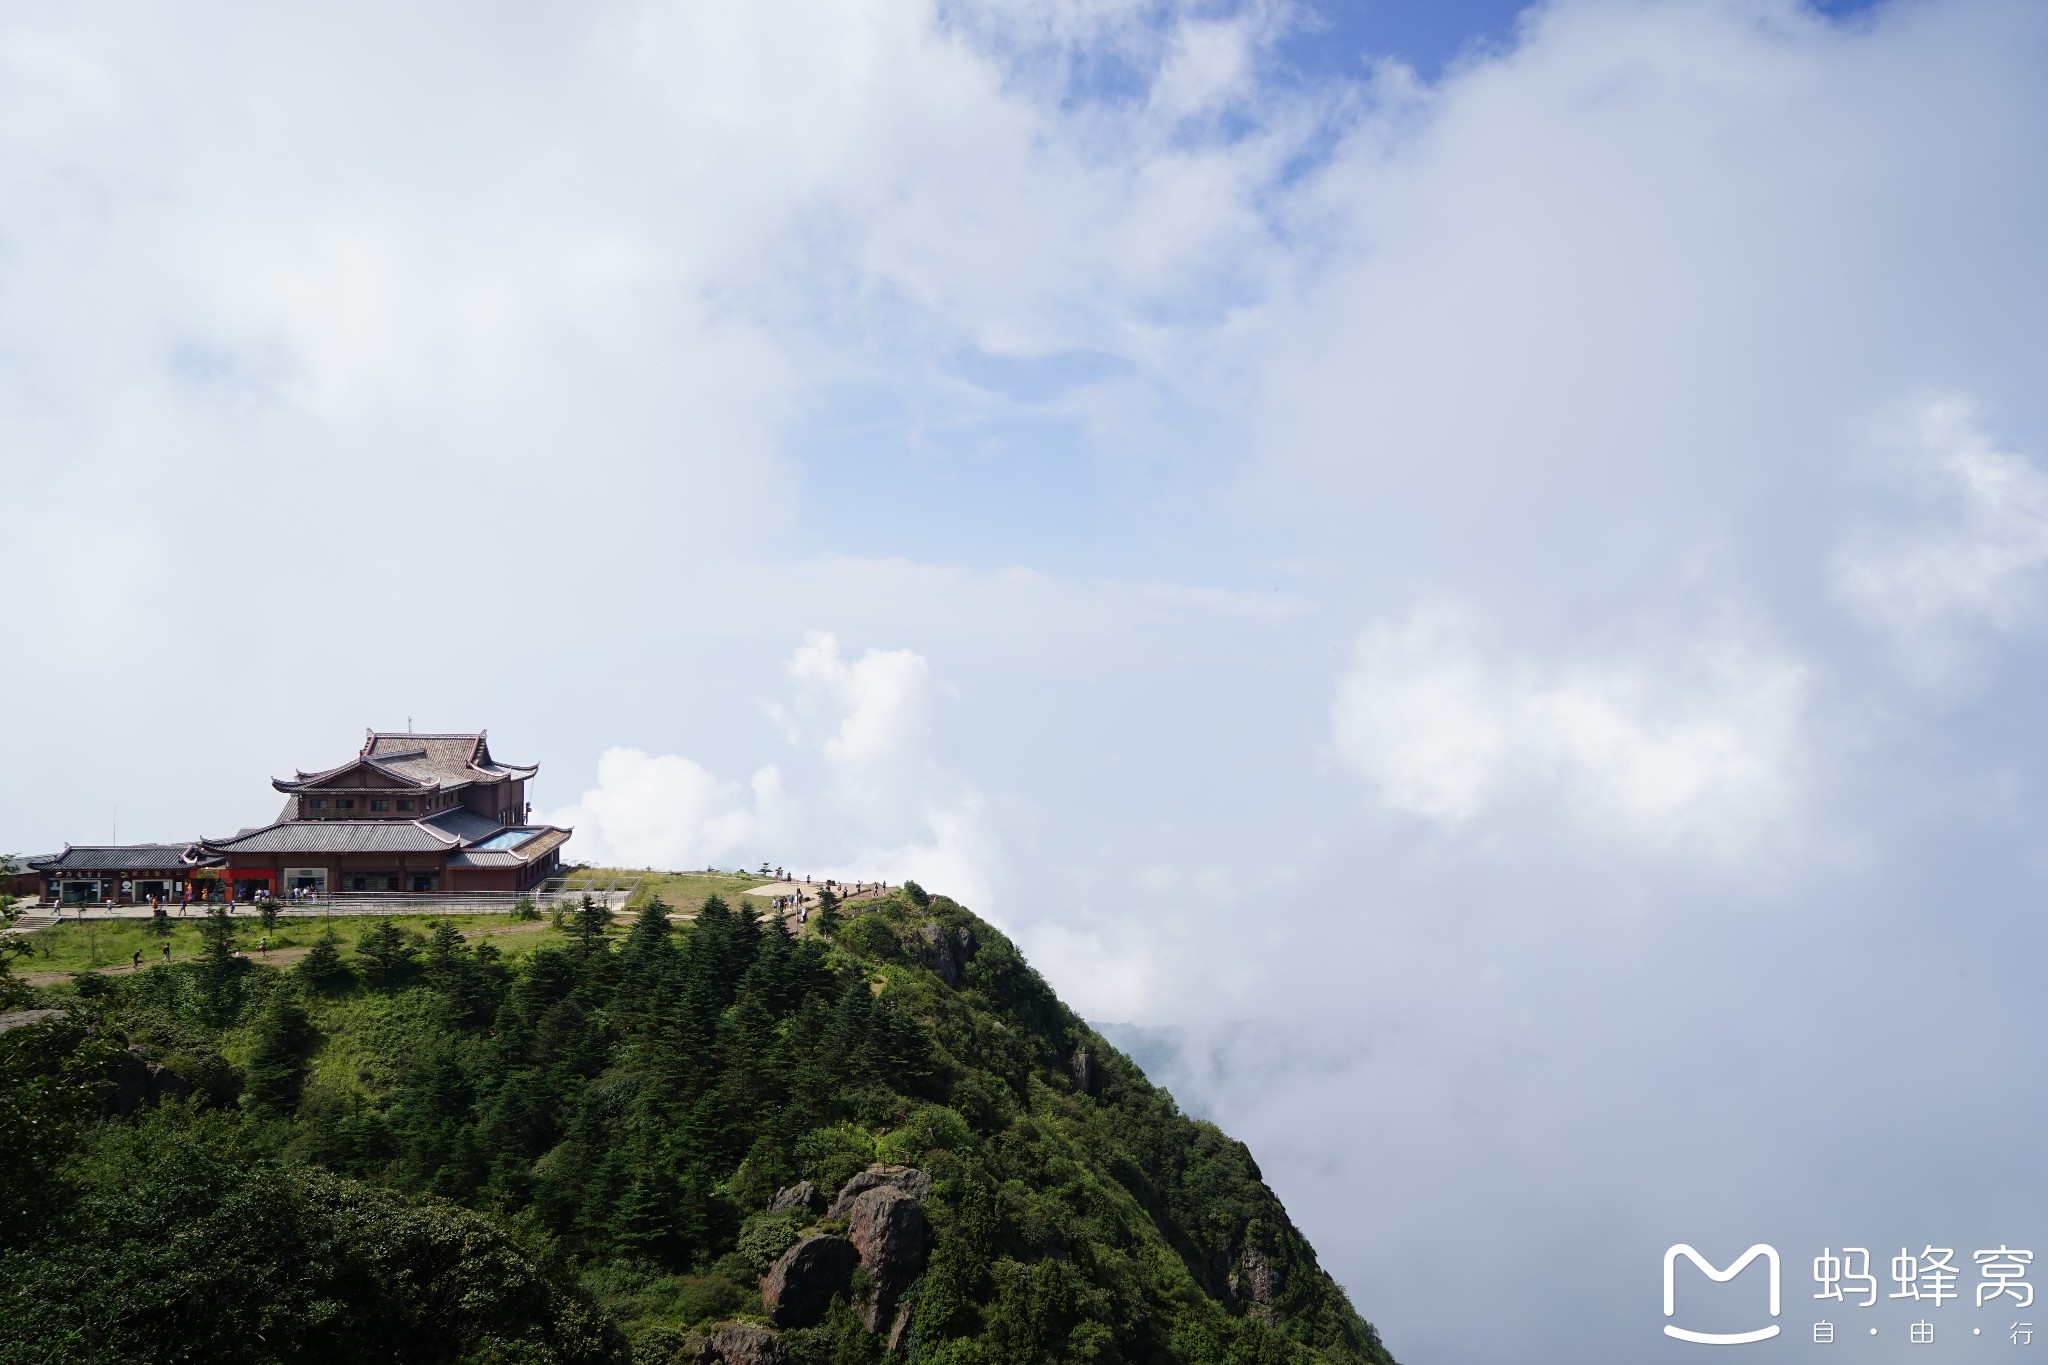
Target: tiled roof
(444, 761)
(462, 823)
(538, 841)
(449, 830)
(339, 836)
(513, 848)
(476, 857)
(549, 839)
(113, 858)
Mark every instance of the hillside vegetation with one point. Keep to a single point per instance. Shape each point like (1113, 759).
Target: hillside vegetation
(418, 1149)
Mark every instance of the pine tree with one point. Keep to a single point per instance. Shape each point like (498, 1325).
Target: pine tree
(828, 913)
(647, 964)
(446, 956)
(747, 1052)
(276, 1071)
(652, 932)
(592, 920)
(643, 1221)
(721, 945)
(844, 1047)
(387, 955)
(217, 940)
(432, 1112)
(322, 969)
(219, 970)
(159, 922)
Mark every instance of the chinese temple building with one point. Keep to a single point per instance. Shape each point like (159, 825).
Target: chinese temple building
(409, 814)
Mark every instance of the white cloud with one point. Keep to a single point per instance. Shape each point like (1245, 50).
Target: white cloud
(668, 812)
(863, 796)
(958, 856)
(1976, 563)
(882, 706)
(895, 811)
(1619, 294)
(1692, 747)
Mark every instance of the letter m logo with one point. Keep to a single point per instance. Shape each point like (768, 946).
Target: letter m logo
(1741, 1262)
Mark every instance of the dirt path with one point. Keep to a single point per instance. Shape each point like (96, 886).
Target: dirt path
(276, 957)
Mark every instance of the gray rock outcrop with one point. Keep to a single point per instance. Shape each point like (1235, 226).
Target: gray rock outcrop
(1082, 1067)
(732, 1343)
(799, 1287)
(801, 1197)
(938, 953)
(1255, 1281)
(945, 952)
(887, 1228)
(23, 1018)
(913, 1182)
(134, 1082)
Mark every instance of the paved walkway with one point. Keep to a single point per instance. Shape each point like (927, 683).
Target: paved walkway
(345, 904)
(810, 890)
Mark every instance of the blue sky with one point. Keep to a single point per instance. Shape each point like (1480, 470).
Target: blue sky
(1495, 593)
(1336, 39)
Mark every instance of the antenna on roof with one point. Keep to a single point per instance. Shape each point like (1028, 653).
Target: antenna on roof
(408, 724)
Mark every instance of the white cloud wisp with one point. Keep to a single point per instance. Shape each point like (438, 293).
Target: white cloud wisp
(1691, 750)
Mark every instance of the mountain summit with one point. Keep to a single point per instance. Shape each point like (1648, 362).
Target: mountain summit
(703, 1140)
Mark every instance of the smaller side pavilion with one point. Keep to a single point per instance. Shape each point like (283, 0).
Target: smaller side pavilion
(128, 874)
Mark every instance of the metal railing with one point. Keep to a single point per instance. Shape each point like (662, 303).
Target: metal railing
(613, 893)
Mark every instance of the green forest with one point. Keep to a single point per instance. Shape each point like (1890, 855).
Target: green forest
(658, 1140)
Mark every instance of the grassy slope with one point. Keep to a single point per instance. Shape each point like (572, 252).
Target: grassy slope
(72, 946)
(95, 944)
(683, 889)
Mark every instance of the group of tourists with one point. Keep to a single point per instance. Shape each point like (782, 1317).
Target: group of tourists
(801, 903)
(262, 946)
